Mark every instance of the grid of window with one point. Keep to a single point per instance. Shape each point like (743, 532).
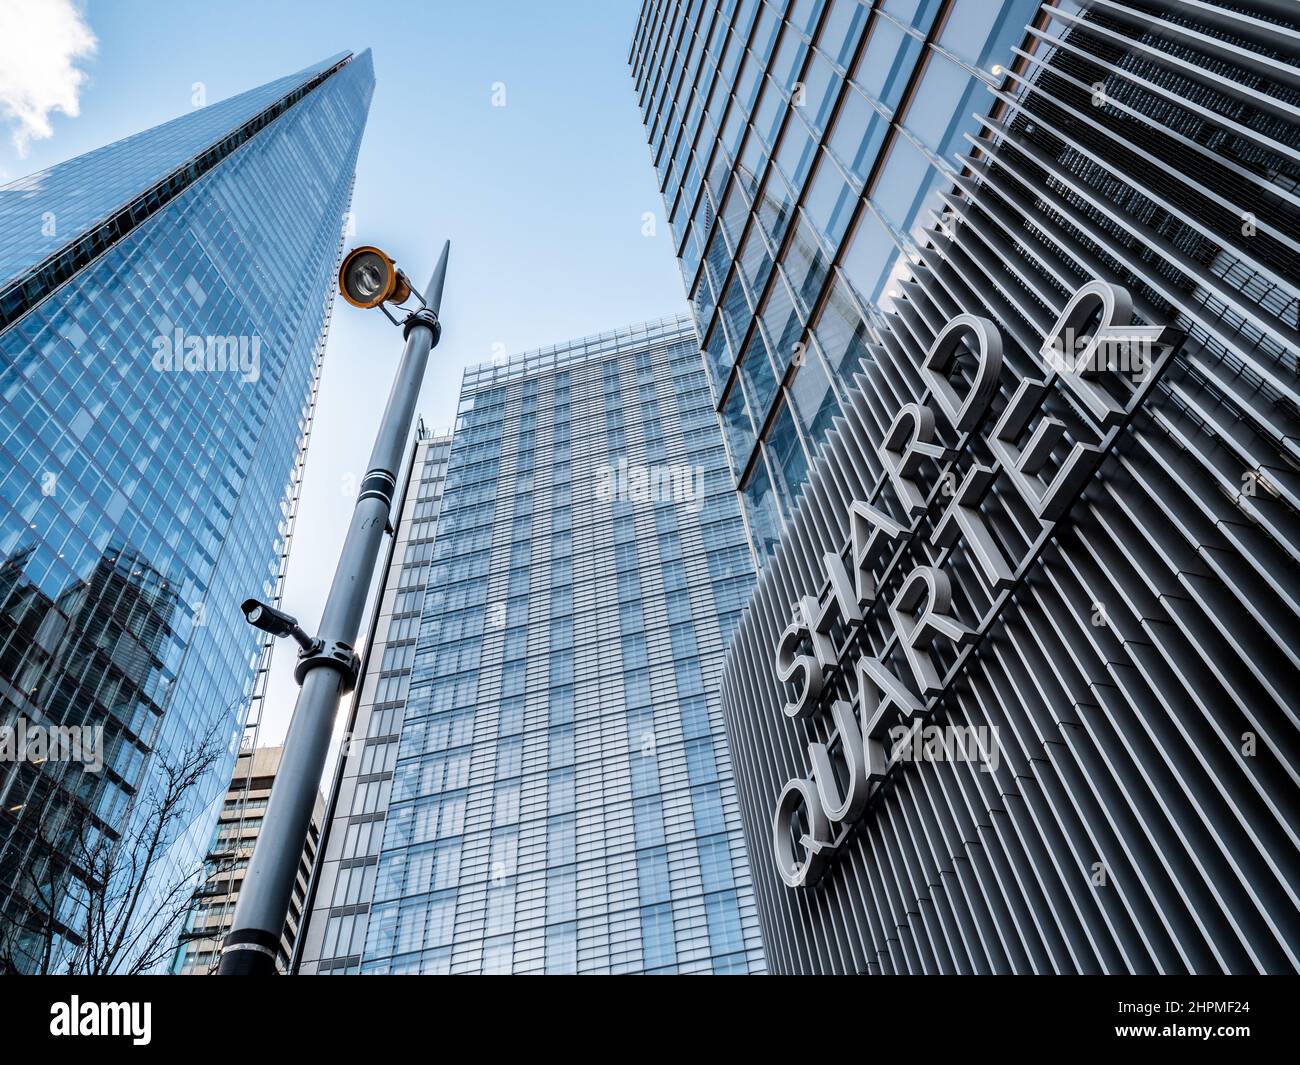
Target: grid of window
(369, 776)
(1120, 606)
(228, 854)
(563, 798)
(142, 498)
(801, 147)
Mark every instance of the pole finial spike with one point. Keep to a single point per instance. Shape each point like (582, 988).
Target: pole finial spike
(433, 294)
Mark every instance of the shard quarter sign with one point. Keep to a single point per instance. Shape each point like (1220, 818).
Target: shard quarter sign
(1061, 416)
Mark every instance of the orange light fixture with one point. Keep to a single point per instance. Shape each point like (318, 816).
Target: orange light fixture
(369, 277)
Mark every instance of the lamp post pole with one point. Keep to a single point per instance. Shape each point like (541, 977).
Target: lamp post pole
(328, 668)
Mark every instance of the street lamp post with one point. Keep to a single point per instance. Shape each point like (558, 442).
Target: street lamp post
(328, 665)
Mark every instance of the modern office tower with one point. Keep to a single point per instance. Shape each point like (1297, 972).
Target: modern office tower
(561, 798)
(163, 310)
(343, 885)
(801, 146)
(1055, 664)
(231, 847)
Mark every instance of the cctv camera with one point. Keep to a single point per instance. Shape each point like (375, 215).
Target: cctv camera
(268, 619)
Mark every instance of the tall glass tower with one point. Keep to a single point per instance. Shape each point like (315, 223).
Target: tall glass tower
(803, 146)
(561, 799)
(163, 310)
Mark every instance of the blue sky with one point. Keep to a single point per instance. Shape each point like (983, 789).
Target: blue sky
(543, 199)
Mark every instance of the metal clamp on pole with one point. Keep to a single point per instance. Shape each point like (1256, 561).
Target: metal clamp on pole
(424, 316)
(332, 653)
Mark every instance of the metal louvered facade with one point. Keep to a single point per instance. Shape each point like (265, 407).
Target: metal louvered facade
(1097, 568)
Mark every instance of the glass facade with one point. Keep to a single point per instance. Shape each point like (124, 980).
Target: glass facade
(561, 799)
(802, 148)
(343, 888)
(42, 213)
(161, 345)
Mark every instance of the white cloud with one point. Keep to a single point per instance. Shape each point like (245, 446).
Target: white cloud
(40, 44)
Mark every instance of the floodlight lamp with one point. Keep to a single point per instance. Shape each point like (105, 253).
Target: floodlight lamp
(368, 277)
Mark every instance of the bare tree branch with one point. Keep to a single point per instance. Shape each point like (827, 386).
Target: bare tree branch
(124, 919)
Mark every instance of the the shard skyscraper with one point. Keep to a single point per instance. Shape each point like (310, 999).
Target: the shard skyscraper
(164, 303)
